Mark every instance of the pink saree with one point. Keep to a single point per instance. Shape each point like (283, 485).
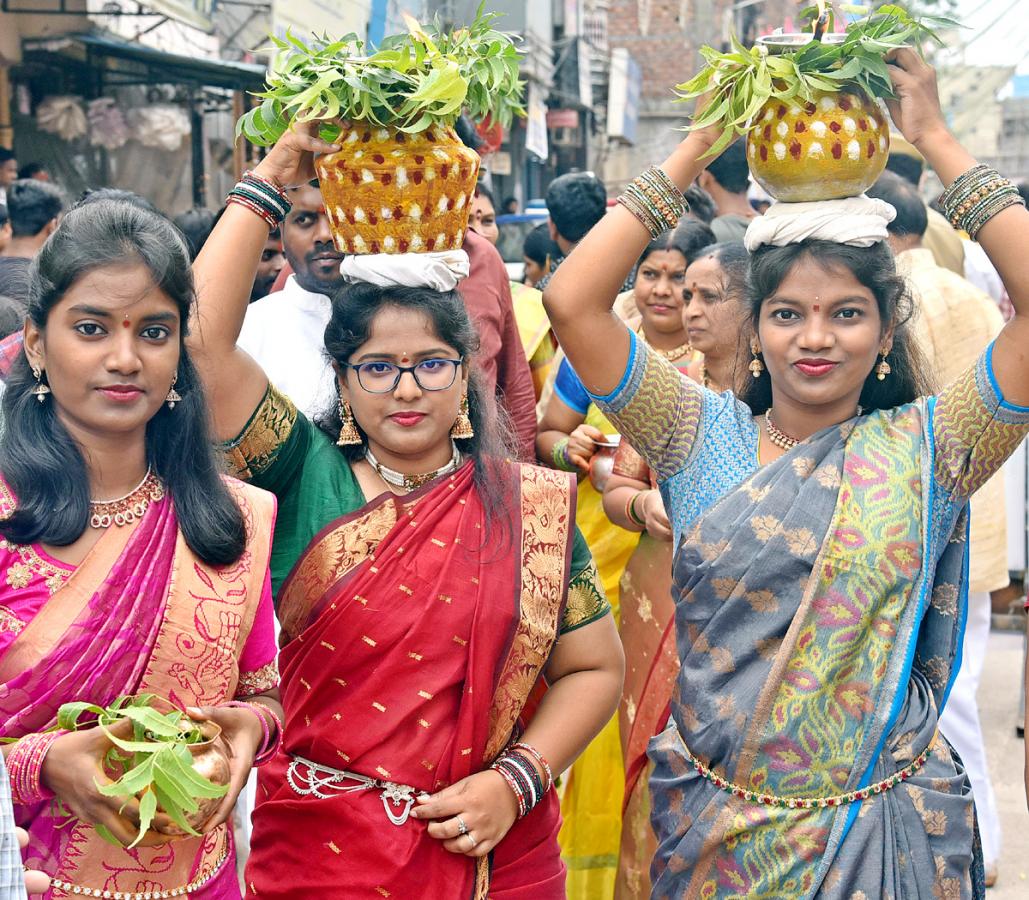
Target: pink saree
(140, 614)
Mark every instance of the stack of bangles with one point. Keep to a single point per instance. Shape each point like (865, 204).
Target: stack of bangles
(516, 767)
(630, 510)
(263, 197)
(270, 741)
(25, 766)
(562, 459)
(976, 197)
(655, 200)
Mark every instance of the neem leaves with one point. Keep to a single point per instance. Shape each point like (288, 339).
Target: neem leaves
(413, 81)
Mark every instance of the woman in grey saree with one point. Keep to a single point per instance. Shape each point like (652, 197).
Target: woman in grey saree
(820, 594)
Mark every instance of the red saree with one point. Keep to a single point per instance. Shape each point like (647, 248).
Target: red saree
(413, 643)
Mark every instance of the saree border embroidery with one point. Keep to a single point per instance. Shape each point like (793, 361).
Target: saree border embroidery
(586, 600)
(546, 516)
(338, 550)
(808, 802)
(259, 443)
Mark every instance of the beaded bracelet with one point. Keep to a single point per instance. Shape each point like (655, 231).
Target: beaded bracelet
(269, 743)
(630, 511)
(517, 769)
(262, 197)
(560, 456)
(25, 766)
(655, 200)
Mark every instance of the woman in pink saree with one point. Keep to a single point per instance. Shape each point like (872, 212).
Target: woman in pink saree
(164, 590)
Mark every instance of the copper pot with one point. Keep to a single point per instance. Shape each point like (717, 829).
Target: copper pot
(212, 762)
(602, 463)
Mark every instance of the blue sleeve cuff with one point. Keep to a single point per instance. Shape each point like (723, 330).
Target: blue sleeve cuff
(995, 387)
(626, 375)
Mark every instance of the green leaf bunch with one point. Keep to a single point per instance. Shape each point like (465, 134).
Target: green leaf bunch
(155, 765)
(411, 82)
(740, 82)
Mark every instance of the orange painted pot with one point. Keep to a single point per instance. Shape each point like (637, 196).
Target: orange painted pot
(390, 192)
(833, 147)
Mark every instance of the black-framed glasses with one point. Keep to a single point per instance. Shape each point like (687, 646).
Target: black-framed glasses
(381, 377)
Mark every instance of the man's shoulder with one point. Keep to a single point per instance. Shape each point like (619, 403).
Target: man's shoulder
(482, 255)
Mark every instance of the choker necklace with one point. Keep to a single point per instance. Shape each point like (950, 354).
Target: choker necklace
(393, 478)
(671, 355)
(125, 510)
(780, 438)
(777, 436)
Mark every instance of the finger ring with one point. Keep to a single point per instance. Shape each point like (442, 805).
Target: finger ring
(461, 827)
(469, 836)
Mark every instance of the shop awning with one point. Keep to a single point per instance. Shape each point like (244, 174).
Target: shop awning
(123, 63)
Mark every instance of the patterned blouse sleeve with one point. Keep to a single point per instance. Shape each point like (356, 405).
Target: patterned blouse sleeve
(586, 599)
(656, 408)
(270, 449)
(974, 429)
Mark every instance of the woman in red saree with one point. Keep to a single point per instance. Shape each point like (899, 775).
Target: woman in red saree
(424, 585)
(164, 591)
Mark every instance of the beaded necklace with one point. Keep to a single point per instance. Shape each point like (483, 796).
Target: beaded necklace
(405, 482)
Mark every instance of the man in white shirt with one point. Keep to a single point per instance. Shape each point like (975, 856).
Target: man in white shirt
(281, 329)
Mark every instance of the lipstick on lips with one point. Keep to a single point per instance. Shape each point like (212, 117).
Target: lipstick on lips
(407, 419)
(122, 393)
(815, 368)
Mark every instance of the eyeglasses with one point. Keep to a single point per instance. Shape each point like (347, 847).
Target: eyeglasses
(380, 377)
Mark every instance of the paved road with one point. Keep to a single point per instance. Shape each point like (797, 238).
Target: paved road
(998, 707)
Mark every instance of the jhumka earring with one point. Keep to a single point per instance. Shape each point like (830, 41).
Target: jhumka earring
(756, 366)
(884, 368)
(40, 390)
(462, 428)
(349, 436)
(173, 395)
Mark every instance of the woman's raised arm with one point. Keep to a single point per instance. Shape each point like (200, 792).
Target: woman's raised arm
(1005, 237)
(580, 295)
(224, 273)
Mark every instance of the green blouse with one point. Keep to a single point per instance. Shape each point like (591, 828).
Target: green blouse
(282, 451)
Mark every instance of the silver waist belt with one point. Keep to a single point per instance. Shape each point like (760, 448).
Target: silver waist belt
(311, 779)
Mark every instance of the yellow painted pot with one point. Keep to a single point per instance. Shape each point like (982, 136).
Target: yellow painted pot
(390, 192)
(833, 147)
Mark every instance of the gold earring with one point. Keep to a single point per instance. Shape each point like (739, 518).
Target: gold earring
(462, 428)
(173, 395)
(884, 368)
(349, 436)
(40, 390)
(756, 366)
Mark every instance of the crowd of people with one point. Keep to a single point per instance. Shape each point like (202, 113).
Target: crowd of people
(650, 575)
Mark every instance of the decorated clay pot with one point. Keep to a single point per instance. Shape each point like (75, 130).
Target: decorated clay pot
(833, 147)
(211, 761)
(390, 192)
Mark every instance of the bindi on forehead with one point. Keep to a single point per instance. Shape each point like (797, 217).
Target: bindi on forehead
(125, 323)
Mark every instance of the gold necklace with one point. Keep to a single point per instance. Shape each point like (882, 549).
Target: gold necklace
(125, 510)
(671, 355)
(395, 479)
(704, 380)
(776, 435)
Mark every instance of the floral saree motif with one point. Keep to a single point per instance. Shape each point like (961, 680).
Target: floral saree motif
(414, 641)
(140, 614)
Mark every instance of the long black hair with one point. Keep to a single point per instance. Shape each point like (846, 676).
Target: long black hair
(38, 457)
(354, 308)
(876, 269)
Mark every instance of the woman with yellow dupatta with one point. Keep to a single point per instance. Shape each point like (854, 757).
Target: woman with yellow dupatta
(163, 590)
(820, 596)
(714, 293)
(425, 585)
(571, 431)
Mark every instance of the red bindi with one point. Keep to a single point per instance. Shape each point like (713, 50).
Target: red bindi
(816, 307)
(125, 323)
